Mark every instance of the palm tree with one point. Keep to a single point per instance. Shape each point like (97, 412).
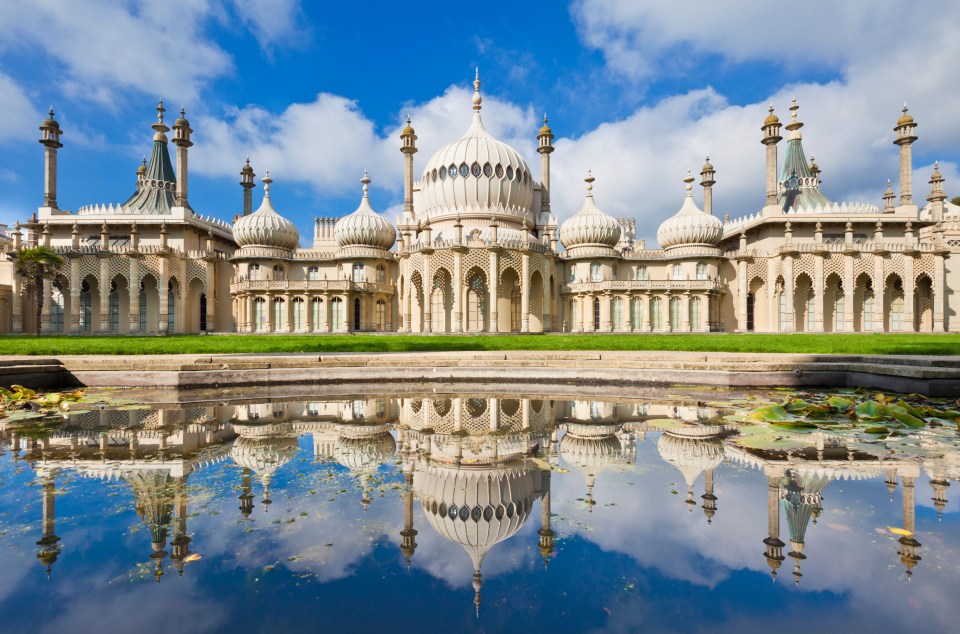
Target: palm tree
(33, 265)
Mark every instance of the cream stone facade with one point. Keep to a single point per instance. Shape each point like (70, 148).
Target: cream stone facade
(478, 249)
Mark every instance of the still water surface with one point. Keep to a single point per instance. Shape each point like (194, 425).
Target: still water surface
(466, 513)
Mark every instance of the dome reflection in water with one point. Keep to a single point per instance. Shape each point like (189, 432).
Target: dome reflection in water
(479, 511)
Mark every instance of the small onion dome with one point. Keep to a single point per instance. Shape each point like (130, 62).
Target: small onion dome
(265, 227)
(690, 225)
(691, 456)
(589, 226)
(359, 453)
(181, 121)
(771, 118)
(708, 166)
(50, 122)
(906, 118)
(246, 169)
(408, 129)
(545, 129)
(365, 227)
(143, 167)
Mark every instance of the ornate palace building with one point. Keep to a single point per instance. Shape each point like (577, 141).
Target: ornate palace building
(478, 249)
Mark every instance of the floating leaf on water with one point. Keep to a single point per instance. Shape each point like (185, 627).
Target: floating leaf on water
(770, 413)
(908, 420)
(839, 402)
(876, 430)
(870, 409)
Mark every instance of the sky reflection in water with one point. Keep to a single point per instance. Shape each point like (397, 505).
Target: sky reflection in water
(472, 513)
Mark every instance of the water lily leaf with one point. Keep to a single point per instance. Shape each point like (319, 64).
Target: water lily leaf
(795, 424)
(770, 413)
(876, 430)
(771, 442)
(908, 420)
(839, 402)
(870, 409)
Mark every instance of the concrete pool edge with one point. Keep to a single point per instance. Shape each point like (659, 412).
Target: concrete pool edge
(929, 375)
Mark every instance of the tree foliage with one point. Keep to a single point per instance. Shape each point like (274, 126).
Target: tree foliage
(33, 265)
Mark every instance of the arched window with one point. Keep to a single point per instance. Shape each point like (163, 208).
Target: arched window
(313, 273)
(299, 314)
(279, 314)
(114, 308)
(596, 313)
(356, 314)
(337, 314)
(316, 312)
(656, 314)
(866, 324)
(617, 308)
(56, 308)
(278, 272)
(702, 271)
(86, 307)
(896, 307)
(261, 320)
(381, 317)
(596, 272)
(674, 313)
(476, 304)
(838, 310)
(253, 272)
(751, 303)
(676, 272)
(642, 273)
(636, 313)
(809, 310)
(695, 314)
(143, 309)
(358, 272)
(171, 307)
(381, 274)
(573, 273)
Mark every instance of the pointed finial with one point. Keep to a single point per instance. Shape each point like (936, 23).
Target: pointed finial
(544, 117)
(51, 111)
(160, 110)
(366, 184)
(771, 106)
(408, 120)
(905, 106)
(183, 112)
(689, 183)
(477, 99)
(589, 181)
(248, 160)
(266, 180)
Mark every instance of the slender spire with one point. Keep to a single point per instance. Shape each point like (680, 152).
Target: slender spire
(589, 181)
(366, 184)
(689, 184)
(266, 180)
(477, 99)
(795, 124)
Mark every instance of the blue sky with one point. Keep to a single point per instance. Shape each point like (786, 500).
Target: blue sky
(316, 92)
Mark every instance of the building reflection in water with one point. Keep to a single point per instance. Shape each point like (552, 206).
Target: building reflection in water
(478, 466)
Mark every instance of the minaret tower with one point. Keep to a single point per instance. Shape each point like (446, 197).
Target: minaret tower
(708, 497)
(936, 196)
(408, 140)
(545, 147)
(49, 543)
(50, 139)
(771, 136)
(181, 541)
(181, 138)
(247, 182)
(909, 550)
(774, 550)
(707, 181)
(906, 130)
(546, 532)
(246, 494)
(408, 543)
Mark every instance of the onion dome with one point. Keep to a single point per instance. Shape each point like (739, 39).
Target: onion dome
(476, 508)
(906, 118)
(690, 226)
(545, 129)
(365, 452)
(142, 169)
(589, 227)
(181, 121)
(265, 227)
(365, 227)
(407, 129)
(771, 118)
(50, 122)
(476, 174)
(691, 456)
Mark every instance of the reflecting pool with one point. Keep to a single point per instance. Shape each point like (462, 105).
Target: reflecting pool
(488, 512)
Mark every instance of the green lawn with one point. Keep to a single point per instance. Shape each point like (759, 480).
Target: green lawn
(214, 344)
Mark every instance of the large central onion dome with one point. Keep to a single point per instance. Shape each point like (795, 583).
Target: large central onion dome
(589, 227)
(690, 226)
(476, 174)
(265, 227)
(365, 227)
